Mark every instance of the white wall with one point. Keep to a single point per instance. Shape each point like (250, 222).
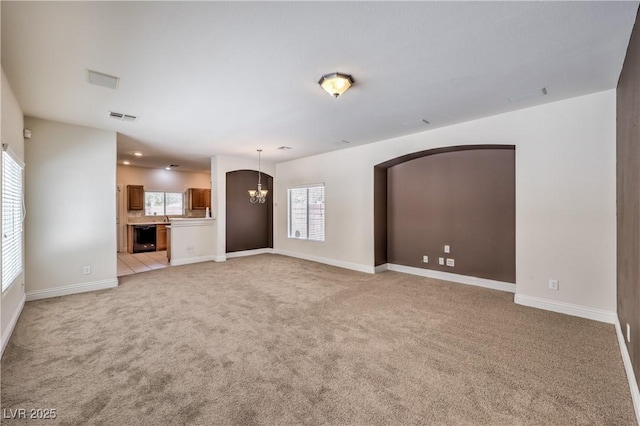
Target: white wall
(71, 208)
(220, 166)
(161, 179)
(565, 196)
(11, 125)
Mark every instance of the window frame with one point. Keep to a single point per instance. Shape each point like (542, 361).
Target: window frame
(17, 203)
(309, 187)
(164, 203)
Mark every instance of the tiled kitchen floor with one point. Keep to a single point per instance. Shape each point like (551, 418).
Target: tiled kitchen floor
(140, 262)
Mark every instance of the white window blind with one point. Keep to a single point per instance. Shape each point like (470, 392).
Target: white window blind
(12, 217)
(306, 213)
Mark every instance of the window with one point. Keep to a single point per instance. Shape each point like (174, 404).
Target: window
(306, 213)
(12, 217)
(163, 203)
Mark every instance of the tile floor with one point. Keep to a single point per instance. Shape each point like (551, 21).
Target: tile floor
(140, 262)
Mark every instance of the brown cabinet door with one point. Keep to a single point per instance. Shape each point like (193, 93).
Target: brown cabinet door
(198, 200)
(161, 237)
(135, 197)
(207, 198)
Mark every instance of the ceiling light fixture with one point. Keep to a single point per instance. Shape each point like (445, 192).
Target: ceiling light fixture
(336, 83)
(137, 154)
(168, 168)
(126, 162)
(259, 195)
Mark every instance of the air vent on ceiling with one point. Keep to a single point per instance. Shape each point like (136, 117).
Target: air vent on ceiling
(284, 148)
(528, 95)
(103, 80)
(121, 116)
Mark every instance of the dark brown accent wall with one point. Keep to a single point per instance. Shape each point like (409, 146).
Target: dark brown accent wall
(628, 196)
(249, 226)
(463, 198)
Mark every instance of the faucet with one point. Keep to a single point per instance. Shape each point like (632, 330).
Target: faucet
(166, 218)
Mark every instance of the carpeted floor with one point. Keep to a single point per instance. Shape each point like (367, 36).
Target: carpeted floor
(274, 340)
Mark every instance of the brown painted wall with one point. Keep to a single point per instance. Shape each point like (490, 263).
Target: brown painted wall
(380, 214)
(465, 199)
(249, 226)
(628, 196)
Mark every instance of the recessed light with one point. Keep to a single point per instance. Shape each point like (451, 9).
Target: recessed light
(167, 168)
(137, 154)
(126, 163)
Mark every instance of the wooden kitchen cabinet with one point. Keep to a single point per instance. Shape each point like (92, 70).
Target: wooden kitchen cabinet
(199, 198)
(135, 197)
(161, 237)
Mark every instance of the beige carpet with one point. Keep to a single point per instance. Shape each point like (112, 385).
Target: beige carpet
(275, 340)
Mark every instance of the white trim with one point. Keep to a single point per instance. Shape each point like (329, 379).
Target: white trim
(457, 278)
(189, 260)
(12, 323)
(628, 368)
(333, 262)
(71, 289)
(566, 308)
(178, 222)
(243, 253)
(222, 258)
(381, 268)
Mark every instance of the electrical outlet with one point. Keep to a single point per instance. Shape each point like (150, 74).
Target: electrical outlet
(451, 262)
(441, 261)
(628, 333)
(554, 285)
(86, 270)
(425, 259)
(447, 249)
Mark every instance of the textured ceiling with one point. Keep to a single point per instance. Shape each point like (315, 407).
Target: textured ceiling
(226, 78)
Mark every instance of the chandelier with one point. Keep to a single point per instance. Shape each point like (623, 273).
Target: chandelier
(259, 195)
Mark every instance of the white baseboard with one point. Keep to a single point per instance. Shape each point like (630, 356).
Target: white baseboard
(333, 262)
(12, 323)
(566, 308)
(222, 258)
(457, 278)
(189, 260)
(249, 252)
(71, 289)
(628, 368)
(381, 268)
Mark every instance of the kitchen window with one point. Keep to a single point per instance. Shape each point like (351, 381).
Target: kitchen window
(12, 217)
(306, 212)
(163, 203)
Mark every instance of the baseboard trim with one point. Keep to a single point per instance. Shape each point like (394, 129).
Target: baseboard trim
(190, 260)
(71, 289)
(457, 278)
(6, 336)
(333, 262)
(628, 368)
(222, 258)
(566, 308)
(254, 252)
(381, 268)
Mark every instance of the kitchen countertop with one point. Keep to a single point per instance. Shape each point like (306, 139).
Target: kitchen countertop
(149, 223)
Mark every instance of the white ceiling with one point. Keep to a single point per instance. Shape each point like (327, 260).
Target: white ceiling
(226, 78)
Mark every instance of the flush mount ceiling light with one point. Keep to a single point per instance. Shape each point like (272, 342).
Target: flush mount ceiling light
(336, 83)
(259, 195)
(137, 154)
(126, 162)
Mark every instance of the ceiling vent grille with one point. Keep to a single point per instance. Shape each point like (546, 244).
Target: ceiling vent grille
(121, 116)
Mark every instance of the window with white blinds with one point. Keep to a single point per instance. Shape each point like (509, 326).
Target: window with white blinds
(12, 216)
(306, 213)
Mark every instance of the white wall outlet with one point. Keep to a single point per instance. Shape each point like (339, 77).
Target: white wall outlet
(441, 261)
(86, 269)
(447, 249)
(425, 259)
(554, 284)
(628, 333)
(451, 262)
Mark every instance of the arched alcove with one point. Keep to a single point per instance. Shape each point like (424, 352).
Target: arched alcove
(248, 226)
(461, 196)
